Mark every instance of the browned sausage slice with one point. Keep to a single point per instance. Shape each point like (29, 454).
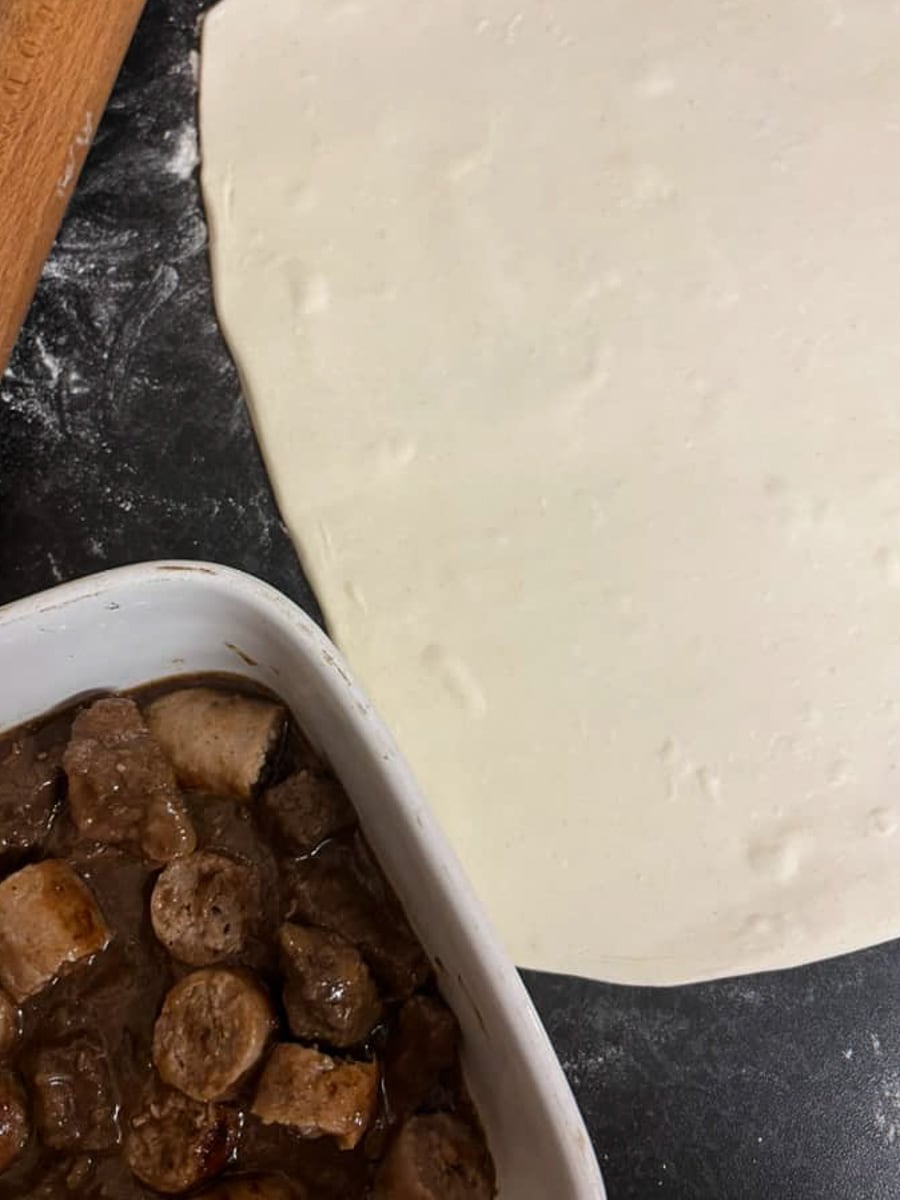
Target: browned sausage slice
(255, 1187)
(212, 1030)
(329, 994)
(121, 788)
(218, 742)
(14, 1129)
(204, 906)
(75, 1103)
(305, 809)
(435, 1157)
(174, 1143)
(317, 1095)
(48, 921)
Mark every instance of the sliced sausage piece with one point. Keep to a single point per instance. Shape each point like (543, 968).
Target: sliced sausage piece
(204, 907)
(48, 921)
(29, 791)
(436, 1157)
(341, 889)
(75, 1103)
(9, 1025)
(218, 742)
(121, 788)
(14, 1130)
(212, 1030)
(175, 1144)
(329, 993)
(317, 1095)
(422, 1047)
(254, 1187)
(305, 809)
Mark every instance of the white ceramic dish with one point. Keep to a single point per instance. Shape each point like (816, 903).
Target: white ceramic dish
(145, 622)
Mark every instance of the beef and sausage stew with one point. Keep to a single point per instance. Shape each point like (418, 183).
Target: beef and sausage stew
(208, 987)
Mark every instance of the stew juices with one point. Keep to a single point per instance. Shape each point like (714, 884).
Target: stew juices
(208, 986)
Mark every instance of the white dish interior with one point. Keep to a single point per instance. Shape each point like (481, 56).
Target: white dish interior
(136, 624)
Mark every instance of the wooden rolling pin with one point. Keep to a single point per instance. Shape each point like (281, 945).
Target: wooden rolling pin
(58, 62)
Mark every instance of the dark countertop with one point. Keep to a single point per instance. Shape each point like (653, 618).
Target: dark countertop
(123, 436)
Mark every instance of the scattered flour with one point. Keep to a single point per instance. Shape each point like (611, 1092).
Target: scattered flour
(52, 365)
(185, 158)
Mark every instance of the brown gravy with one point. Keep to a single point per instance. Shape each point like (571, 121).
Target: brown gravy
(113, 1001)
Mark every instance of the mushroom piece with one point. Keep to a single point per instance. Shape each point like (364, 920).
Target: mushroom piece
(422, 1047)
(121, 787)
(317, 1095)
(305, 809)
(218, 742)
(212, 1030)
(29, 792)
(329, 993)
(435, 1157)
(341, 889)
(48, 921)
(204, 906)
(174, 1144)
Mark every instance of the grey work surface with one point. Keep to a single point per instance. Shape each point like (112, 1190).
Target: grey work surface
(123, 436)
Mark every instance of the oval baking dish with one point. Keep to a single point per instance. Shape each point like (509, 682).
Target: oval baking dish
(146, 622)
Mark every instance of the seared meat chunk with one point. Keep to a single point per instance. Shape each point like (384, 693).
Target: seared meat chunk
(342, 890)
(29, 790)
(9, 1025)
(305, 809)
(317, 1095)
(254, 1187)
(204, 907)
(328, 991)
(212, 1030)
(121, 787)
(14, 1130)
(75, 1102)
(215, 993)
(422, 1046)
(174, 1143)
(48, 921)
(218, 742)
(436, 1157)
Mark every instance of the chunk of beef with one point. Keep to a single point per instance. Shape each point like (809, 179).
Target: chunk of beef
(14, 1128)
(29, 790)
(341, 889)
(75, 1101)
(204, 907)
(218, 742)
(305, 809)
(9, 1025)
(212, 1030)
(436, 1157)
(121, 787)
(317, 1095)
(48, 922)
(255, 1187)
(329, 994)
(175, 1144)
(422, 1046)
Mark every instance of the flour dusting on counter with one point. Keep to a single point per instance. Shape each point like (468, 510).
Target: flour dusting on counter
(120, 395)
